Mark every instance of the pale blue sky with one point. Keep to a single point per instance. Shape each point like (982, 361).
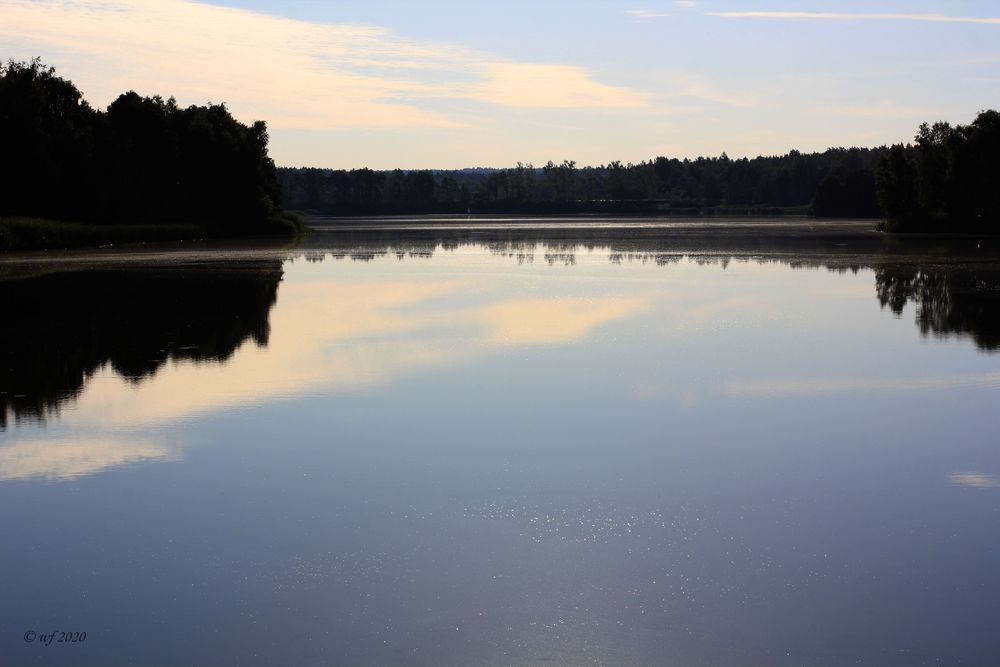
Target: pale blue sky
(453, 84)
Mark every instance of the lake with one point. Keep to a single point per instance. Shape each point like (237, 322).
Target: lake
(429, 442)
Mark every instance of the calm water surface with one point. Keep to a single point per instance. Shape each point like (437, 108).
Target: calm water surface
(451, 446)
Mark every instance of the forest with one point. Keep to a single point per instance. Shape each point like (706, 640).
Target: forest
(839, 182)
(947, 180)
(145, 163)
(142, 161)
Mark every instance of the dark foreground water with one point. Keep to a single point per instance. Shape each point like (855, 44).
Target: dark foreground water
(441, 446)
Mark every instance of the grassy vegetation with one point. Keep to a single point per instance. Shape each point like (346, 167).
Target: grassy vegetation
(39, 233)
(285, 223)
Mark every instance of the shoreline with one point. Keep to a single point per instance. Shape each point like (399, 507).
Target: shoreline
(28, 234)
(781, 227)
(22, 234)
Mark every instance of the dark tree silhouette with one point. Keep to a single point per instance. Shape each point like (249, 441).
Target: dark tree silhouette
(47, 134)
(838, 182)
(144, 160)
(948, 180)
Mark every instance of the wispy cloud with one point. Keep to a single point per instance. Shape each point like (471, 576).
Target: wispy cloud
(690, 87)
(647, 14)
(292, 73)
(858, 16)
(289, 72)
(549, 86)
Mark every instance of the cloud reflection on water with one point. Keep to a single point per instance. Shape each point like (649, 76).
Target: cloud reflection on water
(975, 480)
(547, 321)
(343, 326)
(64, 459)
(344, 336)
(328, 335)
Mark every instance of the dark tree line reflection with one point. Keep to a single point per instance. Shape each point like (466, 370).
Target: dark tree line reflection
(963, 302)
(561, 244)
(955, 288)
(60, 328)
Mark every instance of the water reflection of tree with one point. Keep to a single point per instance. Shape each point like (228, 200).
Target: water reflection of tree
(956, 301)
(960, 302)
(63, 327)
(60, 328)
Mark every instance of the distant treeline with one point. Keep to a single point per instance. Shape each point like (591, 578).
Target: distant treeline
(839, 182)
(147, 161)
(143, 160)
(949, 180)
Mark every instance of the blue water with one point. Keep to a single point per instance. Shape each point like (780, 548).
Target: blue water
(485, 449)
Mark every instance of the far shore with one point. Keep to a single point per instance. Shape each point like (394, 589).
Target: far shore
(35, 234)
(783, 225)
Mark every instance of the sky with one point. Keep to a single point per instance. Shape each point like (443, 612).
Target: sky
(447, 84)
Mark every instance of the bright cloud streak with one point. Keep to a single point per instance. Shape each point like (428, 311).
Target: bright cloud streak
(76, 457)
(550, 86)
(840, 16)
(646, 14)
(292, 73)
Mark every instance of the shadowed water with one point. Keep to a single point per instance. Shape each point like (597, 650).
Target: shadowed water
(693, 444)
